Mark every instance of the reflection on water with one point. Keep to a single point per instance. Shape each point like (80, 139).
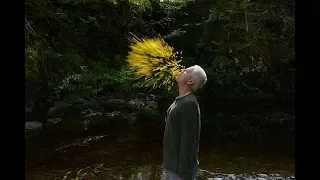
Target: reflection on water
(67, 151)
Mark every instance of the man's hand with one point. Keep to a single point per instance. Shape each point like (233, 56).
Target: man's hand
(180, 179)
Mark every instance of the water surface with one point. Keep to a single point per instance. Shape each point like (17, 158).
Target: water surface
(81, 148)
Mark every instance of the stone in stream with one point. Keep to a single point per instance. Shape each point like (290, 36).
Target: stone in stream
(262, 175)
(218, 178)
(260, 178)
(32, 126)
(81, 104)
(113, 114)
(231, 176)
(59, 108)
(136, 104)
(131, 118)
(93, 114)
(151, 105)
(115, 103)
(87, 111)
(53, 121)
(27, 110)
(28, 113)
(152, 97)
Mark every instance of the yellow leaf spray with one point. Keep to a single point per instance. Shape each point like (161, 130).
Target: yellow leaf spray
(154, 61)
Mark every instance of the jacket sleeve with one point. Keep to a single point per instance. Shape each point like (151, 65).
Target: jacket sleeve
(189, 121)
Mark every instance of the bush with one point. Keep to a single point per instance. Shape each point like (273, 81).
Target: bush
(96, 78)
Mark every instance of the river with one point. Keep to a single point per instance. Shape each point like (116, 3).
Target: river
(82, 148)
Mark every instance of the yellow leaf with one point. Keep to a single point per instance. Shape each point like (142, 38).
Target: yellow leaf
(153, 58)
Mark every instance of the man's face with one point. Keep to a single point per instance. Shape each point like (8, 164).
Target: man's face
(185, 76)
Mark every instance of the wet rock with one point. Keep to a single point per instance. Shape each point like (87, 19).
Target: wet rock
(152, 97)
(87, 111)
(32, 126)
(27, 110)
(204, 174)
(76, 97)
(136, 104)
(113, 114)
(151, 105)
(262, 175)
(259, 178)
(231, 176)
(130, 118)
(218, 178)
(142, 95)
(84, 104)
(93, 114)
(278, 178)
(115, 103)
(119, 95)
(103, 98)
(150, 109)
(28, 114)
(59, 108)
(79, 101)
(72, 98)
(53, 121)
(127, 138)
(92, 100)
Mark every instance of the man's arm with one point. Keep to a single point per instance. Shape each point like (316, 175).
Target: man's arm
(189, 121)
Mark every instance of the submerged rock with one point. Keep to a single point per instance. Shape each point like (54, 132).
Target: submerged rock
(59, 109)
(262, 175)
(32, 126)
(113, 114)
(53, 121)
(150, 105)
(204, 174)
(136, 104)
(89, 113)
(115, 103)
(84, 104)
(93, 114)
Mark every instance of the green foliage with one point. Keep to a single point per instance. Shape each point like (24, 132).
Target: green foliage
(97, 78)
(256, 35)
(142, 5)
(32, 63)
(244, 46)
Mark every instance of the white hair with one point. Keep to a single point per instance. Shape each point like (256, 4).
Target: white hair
(200, 78)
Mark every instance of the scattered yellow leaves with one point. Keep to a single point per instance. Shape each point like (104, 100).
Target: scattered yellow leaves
(154, 60)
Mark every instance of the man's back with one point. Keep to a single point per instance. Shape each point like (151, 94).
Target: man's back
(181, 136)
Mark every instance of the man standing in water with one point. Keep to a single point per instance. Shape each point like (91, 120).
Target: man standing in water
(182, 132)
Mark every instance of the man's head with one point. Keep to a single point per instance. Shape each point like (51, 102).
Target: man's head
(192, 77)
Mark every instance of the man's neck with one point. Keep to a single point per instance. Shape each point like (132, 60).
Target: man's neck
(184, 92)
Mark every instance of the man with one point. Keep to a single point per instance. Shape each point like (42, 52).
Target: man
(182, 132)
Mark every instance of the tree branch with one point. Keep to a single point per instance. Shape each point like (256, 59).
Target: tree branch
(30, 30)
(245, 15)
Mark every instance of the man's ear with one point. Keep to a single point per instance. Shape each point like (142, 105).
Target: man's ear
(191, 81)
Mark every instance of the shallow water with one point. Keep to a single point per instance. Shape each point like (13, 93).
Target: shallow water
(80, 148)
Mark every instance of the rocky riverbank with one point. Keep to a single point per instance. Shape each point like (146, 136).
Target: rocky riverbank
(248, 176)
(136, 109)
(126, 108)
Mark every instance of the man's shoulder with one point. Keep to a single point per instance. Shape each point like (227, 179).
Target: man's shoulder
(189, 103)
(191, 99)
